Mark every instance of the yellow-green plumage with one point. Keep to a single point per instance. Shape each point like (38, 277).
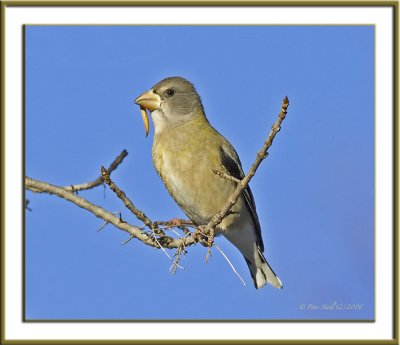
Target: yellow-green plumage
(186, 149)
(186, 168)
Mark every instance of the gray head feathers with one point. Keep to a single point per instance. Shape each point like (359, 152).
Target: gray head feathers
(179, 97)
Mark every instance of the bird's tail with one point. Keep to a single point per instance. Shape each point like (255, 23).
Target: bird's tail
(262, 272)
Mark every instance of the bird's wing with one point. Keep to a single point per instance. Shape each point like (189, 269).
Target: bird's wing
(231, 162)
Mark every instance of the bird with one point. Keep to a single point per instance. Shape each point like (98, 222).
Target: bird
(186, 149)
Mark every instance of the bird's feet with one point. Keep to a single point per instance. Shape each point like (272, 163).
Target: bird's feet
(204, 236)
(176, 222)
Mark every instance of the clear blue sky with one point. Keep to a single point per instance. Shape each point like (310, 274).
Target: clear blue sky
(314, 193)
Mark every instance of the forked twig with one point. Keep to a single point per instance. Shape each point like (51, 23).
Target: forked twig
(261, 155)
(98, 181)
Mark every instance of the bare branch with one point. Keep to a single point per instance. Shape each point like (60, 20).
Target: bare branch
(141, 216)
(226, 176)
(261, 155)
(181, 224)
(156, 237)
(146, 220)
(88, 185)
(134, 231)
(175, 222)
(177, 257)
(127, 202)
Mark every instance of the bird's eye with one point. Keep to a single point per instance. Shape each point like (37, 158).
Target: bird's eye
(170, 92)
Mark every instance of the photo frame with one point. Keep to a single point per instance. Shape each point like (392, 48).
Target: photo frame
(383, 16)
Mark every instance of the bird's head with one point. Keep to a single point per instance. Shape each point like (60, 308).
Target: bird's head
(172, 102)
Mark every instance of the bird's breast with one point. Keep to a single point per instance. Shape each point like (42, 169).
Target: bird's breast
(185, 166)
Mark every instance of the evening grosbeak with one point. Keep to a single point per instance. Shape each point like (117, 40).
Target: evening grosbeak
(186, 149)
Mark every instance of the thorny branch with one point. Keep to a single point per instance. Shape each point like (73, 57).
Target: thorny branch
(261, 155)
(98, 181)
(156, 236)
(99, 212)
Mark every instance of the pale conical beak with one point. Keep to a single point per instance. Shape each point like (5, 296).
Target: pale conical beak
(148, 101)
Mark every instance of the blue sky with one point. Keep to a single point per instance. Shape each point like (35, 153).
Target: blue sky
(314, 193)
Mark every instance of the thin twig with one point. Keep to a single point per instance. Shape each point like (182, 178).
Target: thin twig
(168, 242)
(181, 224)
(185, 230)
(127, 202)
(139, 214)
(208, 255)
(114, 165)
(88, 185)
(175, 222)
(177, 257)
(261, 155)
(165, 252)
(226, 176)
